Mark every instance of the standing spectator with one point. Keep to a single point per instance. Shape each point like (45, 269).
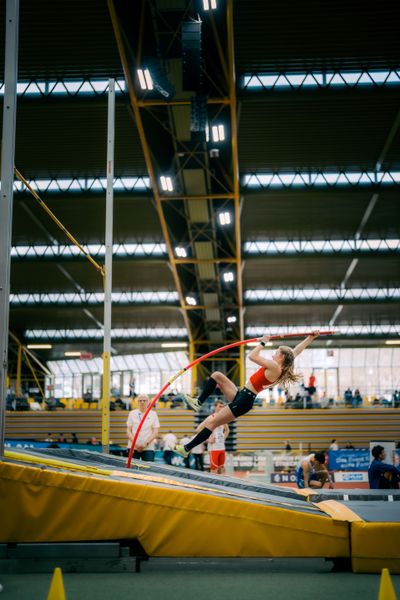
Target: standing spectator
(349, 446)
(311, 384)
(216, 443)
(382, 475)
(334, 445)
(348, 397)
(357, 399)
(145, 446)
(169, 442)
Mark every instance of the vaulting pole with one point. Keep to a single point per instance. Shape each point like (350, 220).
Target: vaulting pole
(105, 419)
(6, 200)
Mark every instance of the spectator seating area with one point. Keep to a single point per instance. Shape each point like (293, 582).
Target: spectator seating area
(260, 429)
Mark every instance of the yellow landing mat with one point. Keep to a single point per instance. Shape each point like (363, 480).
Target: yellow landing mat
(46, 505)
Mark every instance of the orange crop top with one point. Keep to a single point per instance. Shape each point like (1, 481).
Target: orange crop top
(259, 381)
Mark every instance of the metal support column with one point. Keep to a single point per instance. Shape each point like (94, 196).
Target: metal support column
(6, 199)
(105, 422)
(18, 390)
(236, 188)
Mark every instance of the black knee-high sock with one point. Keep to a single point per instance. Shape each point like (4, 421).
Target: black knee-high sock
(202, 436)
(209, 387)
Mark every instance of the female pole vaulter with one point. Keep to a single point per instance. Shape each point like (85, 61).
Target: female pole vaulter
(278, 369)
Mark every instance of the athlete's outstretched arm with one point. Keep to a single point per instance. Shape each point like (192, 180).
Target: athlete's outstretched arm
(300, 347)
(255, 356)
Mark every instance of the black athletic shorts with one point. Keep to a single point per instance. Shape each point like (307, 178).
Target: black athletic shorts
(242, 402)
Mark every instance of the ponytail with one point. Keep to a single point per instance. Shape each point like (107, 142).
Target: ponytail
(288, 376)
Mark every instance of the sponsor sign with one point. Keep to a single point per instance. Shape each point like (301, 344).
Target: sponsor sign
(348, 460)
(283, 478)
(343, 476)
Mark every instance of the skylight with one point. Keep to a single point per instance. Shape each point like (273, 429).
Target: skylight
(97, 334)
(274, 247)
(320, 179)
(317, 79)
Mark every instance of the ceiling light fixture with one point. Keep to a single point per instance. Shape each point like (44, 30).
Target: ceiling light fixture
(218, 133)
(174, 345)
(166, 183)
(191, 301)
(145, 79)
(229, 277)
(209, 4)
(39, 346)
(224, 218)
(181, 252)
(73, 353)
(231, 319)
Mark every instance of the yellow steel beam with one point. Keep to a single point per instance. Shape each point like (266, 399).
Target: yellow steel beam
(147, 156)
(235, 172)
(33, 372)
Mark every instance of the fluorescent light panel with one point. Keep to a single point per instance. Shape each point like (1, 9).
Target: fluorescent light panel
(39, 346)
(166, 183)
(181, 252)
(392, 342)
(174, 345)
(72, 353)
(224, 218)
(145, 80)
(254, 344)
(218, 133)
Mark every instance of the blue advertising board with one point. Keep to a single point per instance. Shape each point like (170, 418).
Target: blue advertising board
(348, 460)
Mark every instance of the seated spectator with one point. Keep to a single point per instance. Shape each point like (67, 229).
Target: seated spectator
(348, 397)
(62, 439)
(288, 447)
(396, 399)
(93, 441)
(334, 445)
(349, 446)
(74, 439)
(357, 399)
(381, 475)
(37, 403)
(49, 438)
